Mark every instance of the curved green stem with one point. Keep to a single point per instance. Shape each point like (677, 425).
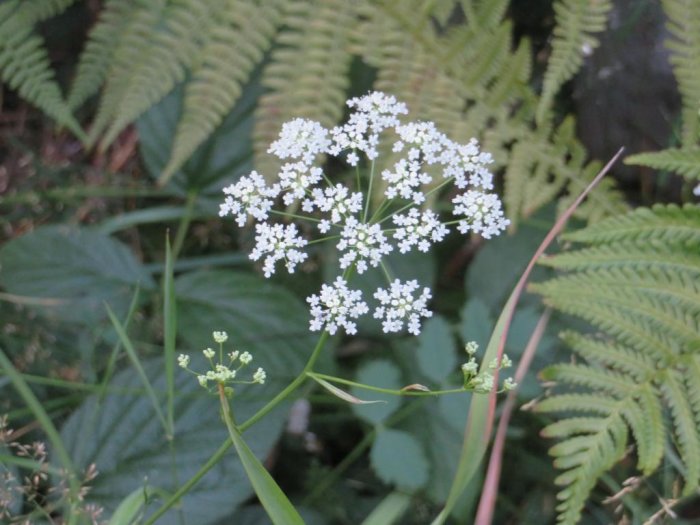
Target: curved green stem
(294, 216)
(369, 193)
(390, 391)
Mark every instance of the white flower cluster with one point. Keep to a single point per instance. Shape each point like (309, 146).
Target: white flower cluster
(355, 216)
(221, 372)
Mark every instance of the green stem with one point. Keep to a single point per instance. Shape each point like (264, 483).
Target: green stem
(428, 194)
(226, 411)
(294, 216)
(221, 451)
(184, 223)
(369, 193)
(410, 393)
(45, 421)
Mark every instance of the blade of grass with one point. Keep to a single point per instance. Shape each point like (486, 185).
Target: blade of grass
(278, 507)
(390, 510)
(46, 424)
(482, 408)
(487, 502)
(133, 356)
(109, 370)
(169, 333)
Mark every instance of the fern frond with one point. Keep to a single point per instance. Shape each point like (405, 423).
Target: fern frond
(488, 13)
(683, 162)
(684, 26)
(573, 426)
(687, 430)
(35, 12)
(595, 379)
(24, 62)
(172, 45)
(638, 283)
(629, 254)
(99, 50)
(616, 357)
(656, 225)
(236, 45)
(576, 23)
(308, 71)
(131, 47)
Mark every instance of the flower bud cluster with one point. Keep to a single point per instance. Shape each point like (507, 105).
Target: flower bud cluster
(363, 228)
(483, 381)
(223, 371)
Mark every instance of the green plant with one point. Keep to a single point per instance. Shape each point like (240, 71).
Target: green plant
(637, 281)
(139, 51)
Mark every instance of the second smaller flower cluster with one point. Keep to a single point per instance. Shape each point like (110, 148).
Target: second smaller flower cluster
(483, 381)
(224, 370)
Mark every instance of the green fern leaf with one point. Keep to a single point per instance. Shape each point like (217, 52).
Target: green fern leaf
(659, 224)
(24, 62)
(685, 425)
(308, 71)
(172, 45)
(683, 162)
(637, 281)
(236, 45)
(129, 51)
(684, 26)
(99, 50)
(576, 23)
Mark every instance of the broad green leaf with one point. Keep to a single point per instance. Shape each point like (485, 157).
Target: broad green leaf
(438, 427)
(475, 323)
(126, 442)
(399, 459)
(224, 157)
(498, 265)
(384, 374)
(436, 349)
(278, 507)
(75, 270)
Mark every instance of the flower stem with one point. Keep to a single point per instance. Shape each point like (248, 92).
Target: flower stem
(369, 193)
(294, 216)
(389, 391)
(226, 411)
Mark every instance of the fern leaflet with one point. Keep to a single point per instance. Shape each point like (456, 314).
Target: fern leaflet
(683, 162)
(576, 23)
(638, 282)
(24, 62)
(684, 26)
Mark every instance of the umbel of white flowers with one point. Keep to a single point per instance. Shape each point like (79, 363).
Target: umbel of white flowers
(225, 369)
(303, 199)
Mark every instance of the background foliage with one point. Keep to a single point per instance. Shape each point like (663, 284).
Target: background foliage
(163, 103)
